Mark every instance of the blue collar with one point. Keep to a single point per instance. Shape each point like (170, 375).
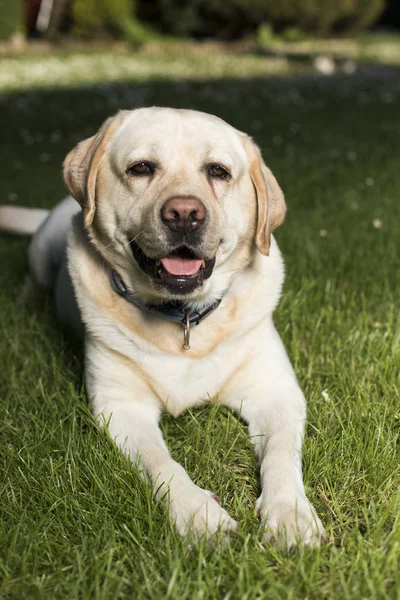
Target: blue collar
(171, 311)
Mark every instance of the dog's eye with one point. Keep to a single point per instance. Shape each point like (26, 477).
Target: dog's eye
(219, 172)
(141, 168)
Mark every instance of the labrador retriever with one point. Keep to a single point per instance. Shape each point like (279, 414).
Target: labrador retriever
(176, 276)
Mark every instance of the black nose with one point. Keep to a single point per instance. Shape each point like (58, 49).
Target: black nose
(183, 214)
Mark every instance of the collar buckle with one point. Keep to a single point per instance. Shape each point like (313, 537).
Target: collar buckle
(186, 330)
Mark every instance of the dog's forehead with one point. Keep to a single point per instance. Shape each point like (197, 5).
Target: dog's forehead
(163, 131)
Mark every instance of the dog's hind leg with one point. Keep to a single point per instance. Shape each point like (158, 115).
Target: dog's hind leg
(48, 261)
(48, 244)
(47, 254)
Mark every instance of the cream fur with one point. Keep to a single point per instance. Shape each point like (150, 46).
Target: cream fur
(135, 365)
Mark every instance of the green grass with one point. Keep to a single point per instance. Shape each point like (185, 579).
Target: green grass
(372, 47)
(77, 521)
(177, 62)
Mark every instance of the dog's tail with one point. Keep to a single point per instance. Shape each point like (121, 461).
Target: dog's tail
(20, 220)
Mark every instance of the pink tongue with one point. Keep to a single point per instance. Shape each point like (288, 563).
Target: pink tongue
(181, 266)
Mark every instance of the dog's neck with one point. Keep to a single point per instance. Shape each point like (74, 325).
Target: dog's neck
(176, 312)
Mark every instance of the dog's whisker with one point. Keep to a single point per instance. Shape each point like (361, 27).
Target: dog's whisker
(135, 238)
(112, 243)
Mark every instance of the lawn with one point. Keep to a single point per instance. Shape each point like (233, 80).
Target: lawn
(76, 519)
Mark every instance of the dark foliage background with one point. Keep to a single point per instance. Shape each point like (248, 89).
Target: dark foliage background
(140, 20)
(230, 19)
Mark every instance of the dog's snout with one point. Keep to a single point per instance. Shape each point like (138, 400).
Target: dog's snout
(183, 214)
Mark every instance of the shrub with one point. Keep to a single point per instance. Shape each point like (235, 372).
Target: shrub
(265, 35)
(224, 19)
(199, 18)
(105, 18)
(10, 19)
(293, 34)
(236, 18)
(324, 16)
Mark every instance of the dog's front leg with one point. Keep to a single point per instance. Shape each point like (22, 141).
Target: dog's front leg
(274, 407)
(132, 411)
(285, 511)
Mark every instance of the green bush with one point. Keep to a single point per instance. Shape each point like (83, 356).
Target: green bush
(293, 34)
(229, 19)
(105, 18)
(199, 18)
(323, 17)
(10, 18)
(265, 35)
(223, 19)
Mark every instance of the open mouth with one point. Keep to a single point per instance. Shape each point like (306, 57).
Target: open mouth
(182, 271)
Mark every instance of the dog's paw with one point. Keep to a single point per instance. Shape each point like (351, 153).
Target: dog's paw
(198, 513)
(290, 523)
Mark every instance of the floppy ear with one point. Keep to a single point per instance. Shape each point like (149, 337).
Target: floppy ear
(271, 207)
(82, 164)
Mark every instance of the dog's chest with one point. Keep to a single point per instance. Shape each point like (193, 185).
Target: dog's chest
(181, 382)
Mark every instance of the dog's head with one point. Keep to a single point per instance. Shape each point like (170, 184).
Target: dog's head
(170, 196)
